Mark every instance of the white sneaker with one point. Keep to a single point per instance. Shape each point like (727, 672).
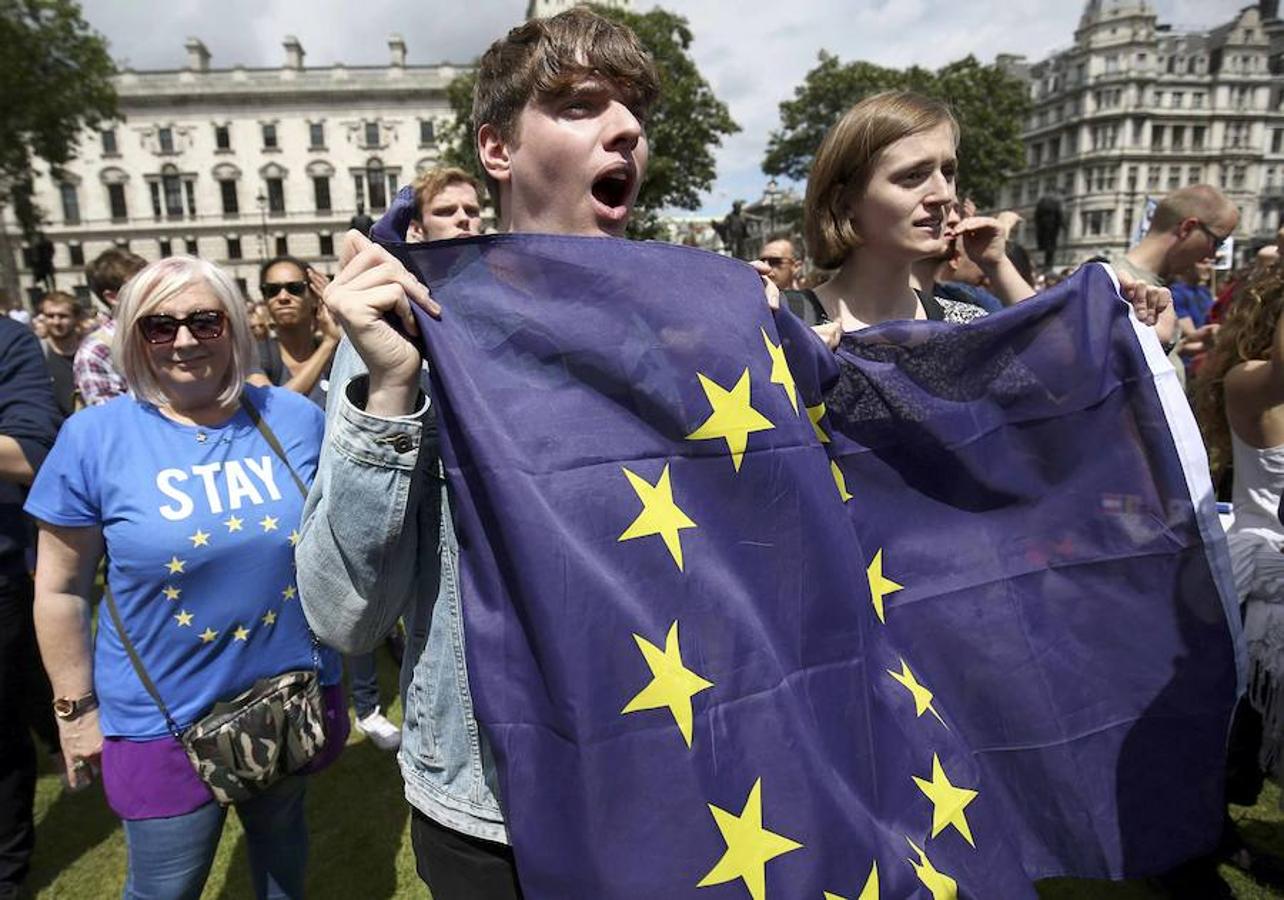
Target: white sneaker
(381, 732)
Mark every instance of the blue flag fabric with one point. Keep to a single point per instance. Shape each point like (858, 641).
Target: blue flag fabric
(725, 643)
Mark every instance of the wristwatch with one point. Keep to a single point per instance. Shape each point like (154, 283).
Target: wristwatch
(67, 709)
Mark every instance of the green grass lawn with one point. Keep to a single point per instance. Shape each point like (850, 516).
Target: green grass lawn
(360, 831)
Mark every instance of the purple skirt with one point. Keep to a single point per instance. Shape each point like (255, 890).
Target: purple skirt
(154, 779)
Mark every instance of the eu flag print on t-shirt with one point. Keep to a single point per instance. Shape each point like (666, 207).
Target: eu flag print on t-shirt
(199, 525)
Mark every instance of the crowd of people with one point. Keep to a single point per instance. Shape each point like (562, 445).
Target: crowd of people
(256, 481)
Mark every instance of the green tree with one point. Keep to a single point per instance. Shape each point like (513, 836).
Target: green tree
(55, 82)
(989, 104)
(686, 124)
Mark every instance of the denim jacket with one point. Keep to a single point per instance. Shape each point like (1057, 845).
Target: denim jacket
(377, 544)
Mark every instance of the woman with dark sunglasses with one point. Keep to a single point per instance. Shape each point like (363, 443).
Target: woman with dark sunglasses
(299, 359)
(306, 338)
(196, 507)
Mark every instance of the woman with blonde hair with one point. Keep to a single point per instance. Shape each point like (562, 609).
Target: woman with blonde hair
(192, 488)
(1240, 405)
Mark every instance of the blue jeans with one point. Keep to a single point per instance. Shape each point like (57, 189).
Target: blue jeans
(363, 683)
(169, 859)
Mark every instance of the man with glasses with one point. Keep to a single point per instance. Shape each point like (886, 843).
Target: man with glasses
(1188, 227)
(779, 253)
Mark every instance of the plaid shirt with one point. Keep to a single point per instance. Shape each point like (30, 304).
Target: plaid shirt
(97, 380)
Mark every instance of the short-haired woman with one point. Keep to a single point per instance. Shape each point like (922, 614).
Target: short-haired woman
(197, 515)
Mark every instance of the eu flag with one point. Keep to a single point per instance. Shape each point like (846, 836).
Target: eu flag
(725, 642)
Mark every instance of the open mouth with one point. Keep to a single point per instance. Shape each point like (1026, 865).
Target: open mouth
(611, 189)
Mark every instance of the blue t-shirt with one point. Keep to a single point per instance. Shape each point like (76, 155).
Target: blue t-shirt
(200, 525)
(1192, 301)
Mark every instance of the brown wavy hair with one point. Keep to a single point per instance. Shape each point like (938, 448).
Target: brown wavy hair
(1247, 334)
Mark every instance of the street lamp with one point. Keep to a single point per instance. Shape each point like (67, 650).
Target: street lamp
(262, 200)
(771, 195)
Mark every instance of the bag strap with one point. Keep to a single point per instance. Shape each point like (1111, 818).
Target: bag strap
(270, 437)
(137, 663)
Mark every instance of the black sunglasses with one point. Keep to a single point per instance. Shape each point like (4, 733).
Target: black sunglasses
(272, 288)
(205, 325)
(776, 261)
(1217, 240)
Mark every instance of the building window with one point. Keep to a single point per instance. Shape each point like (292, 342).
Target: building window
(222, 138)
(1194, 175)
(1179, 97)
(154, 188)
(276, 196)
(1197, 99)
(234, 248)
(372, 134)
(1197, 137)
(166, 138)
(282, 245)
(378, 196)
(189, 246)
(316, 135)
(426, 133)
(327, 244)
(359, 189)
(189, 192)
(228, 190)
(1277, 140)
(321, 191)
(269, 136)
(173, 189)
(1132, 178)
(1179, 137)
(166, 248)
(1152, 177)
(243, 287)
(116, 201)
(1238, 175)
(109, 142)
(1157, 136)
(76, 252)
(70, 203)
(1174, 177)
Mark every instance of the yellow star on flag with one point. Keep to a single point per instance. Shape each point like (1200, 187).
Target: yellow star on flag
(233, 523)
(868, 892)
(269, 523)
(660, 515)
(879, 586)
(269, 618)
(175, 565)
(171, 592)
(816, 413)
(942, 886)
(922, 696)
(733, 418)
(207, 635)
(839, 480)
(780, 373)
(241, 633)
(948, 801)
(672, 684)
(184, 618)
(289, 592)
(200, 539)
(749, 846)
(294, 538)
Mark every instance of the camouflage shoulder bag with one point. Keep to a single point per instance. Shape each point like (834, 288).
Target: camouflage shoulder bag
(246, 744)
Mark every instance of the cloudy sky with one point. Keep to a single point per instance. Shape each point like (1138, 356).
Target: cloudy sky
(753, 52)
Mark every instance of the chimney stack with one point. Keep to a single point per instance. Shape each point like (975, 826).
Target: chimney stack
(293, 52)
(397, 50)
(198, 57)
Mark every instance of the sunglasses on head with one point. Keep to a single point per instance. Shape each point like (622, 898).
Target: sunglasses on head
(205, 325)
(272, 288)
(776, 261)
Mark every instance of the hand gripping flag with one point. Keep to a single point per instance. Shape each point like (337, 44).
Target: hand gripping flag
(682, 632)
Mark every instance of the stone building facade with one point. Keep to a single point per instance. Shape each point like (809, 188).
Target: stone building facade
(1136, 108)
(240, 164)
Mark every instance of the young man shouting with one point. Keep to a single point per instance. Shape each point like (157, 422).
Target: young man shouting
(560, 107)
